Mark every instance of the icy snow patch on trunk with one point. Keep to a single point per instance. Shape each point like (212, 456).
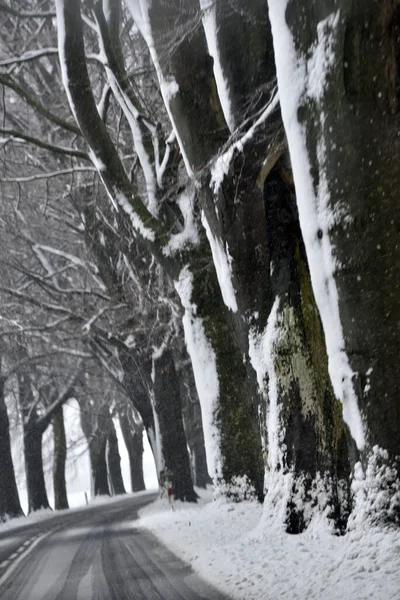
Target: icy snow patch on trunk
(223, 266)
(261, 352)
(204, 364)
(211, 30)
(189, 234)
(158, 454)
(298, 80)
(153, 441)
(136, 221)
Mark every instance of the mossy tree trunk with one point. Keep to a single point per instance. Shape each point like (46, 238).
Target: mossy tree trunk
(348, 129)
(59, 460)
(313, 448)
(202, 129)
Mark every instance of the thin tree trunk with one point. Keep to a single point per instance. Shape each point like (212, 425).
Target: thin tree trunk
(59, 460)
(114, 462)
(98, 465)
(136, 377)
(35, 482)
(167, 407)
(9, 500)
(191, 412)
(133, 438)
(93, 426)
(33, 435)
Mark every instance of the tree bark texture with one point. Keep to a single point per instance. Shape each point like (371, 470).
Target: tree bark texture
(316, 441)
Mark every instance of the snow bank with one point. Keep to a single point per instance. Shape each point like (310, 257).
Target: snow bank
(248, 556)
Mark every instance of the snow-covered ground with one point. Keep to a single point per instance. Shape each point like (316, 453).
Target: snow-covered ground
(247, 554)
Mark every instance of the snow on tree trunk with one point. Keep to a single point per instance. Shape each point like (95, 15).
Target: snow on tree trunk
(230, 420)
(114, 461)
(337, 74)
(59, 460)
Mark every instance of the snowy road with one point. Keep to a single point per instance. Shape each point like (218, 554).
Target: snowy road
(94, 554)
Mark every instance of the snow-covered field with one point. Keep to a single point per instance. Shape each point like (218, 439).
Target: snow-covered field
(247, 554)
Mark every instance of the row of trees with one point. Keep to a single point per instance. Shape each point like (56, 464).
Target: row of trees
(231, 184)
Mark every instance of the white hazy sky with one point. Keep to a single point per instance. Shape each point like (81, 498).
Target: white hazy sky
(78, 468)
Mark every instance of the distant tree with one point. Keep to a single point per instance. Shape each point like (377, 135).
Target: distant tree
(132, 431)
(9, 500)
(59, 460)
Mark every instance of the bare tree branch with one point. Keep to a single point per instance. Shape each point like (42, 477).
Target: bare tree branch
(38, 106)
(17, 135)
(26, 14)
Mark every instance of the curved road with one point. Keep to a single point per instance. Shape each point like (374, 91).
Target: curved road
(94, 554)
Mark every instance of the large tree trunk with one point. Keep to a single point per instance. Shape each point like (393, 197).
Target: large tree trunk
(59, 460)
(114, 462)
(230, 418)
(342, 121)
(133, 438)
(230, 410)
(9, 500)
(168, 412)
(308, 442)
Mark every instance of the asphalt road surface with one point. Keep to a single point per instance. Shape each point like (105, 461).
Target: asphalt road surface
(95, 554)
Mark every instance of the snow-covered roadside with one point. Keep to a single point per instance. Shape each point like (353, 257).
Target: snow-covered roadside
(248, 556)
